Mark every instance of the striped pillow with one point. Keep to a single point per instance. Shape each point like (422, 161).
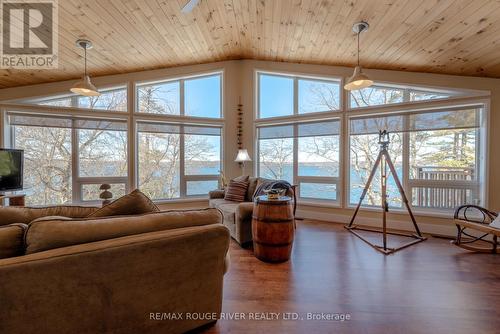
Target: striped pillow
(236, 191)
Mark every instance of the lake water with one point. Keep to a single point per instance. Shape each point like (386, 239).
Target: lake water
(307, 190)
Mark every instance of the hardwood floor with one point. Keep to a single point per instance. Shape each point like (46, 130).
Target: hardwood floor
(432, 287)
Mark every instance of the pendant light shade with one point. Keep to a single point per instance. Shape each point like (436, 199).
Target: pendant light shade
(358, 79)
(85, 87)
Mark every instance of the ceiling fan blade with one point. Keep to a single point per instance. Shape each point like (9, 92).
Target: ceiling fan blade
(188, 7)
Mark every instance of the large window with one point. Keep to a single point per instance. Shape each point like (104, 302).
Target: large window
(114, 99)
(174, 131)
(182, 158)
(277, 95)
(309, 131)
(178, 160)
(441, 168)
(301, 152)
(377, 95)
(436, 151)
(305, 153)
(66, 158)
(192, 97)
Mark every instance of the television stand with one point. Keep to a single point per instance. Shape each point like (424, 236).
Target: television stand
(14, 199)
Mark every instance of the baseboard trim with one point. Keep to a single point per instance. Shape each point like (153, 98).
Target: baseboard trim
(440, 230)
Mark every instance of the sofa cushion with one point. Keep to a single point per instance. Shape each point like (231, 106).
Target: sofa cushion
(229, 212)
(25, 215)
(216, 202)
(12, 240)
(237, 190)
(48, 234)
(135, 203)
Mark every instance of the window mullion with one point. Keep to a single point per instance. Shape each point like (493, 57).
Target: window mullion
(132, 141)
(182, 106)
(76, 186)
(406, 159)
(182, 172)
(75, 168)
(295, 96)
(295, 162)
(479, 176)
(343, 190)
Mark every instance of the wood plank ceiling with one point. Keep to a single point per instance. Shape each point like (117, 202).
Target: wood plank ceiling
(437, 36)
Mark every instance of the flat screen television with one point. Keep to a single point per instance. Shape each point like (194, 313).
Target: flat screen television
(11, 169)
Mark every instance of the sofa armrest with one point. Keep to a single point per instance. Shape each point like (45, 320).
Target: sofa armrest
(244, 211)
(116, 285)
(219, 193)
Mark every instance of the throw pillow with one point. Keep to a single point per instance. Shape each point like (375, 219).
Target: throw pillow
(135, 203)
(242, 178)
(237, 189)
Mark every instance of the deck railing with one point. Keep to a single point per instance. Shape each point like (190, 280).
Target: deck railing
(443, 197)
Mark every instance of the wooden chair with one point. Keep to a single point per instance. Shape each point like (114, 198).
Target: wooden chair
(475, 218)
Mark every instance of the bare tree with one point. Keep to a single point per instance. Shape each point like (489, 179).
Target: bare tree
(275, 156)
(48, 161)
(159, 153)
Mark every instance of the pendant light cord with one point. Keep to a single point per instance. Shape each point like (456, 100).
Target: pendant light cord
(85, 62)
(358, 46)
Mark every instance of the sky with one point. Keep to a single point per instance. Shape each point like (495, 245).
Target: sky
(202, 97)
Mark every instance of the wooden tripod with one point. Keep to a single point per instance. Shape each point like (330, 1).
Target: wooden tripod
(384, 160)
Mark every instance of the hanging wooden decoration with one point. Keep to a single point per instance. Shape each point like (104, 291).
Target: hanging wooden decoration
(239, 133)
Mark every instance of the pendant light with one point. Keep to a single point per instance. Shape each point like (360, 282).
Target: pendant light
(358, 80)
(85, 87)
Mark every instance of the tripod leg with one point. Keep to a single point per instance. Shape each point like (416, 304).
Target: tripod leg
(401, 191)
(365, 190)
(383, 183)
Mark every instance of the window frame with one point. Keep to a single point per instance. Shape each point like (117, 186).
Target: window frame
(408, 183)
(183, 177)
(181, 80)
(296, 178)
(77, 181)
(132, 117)
(75, 103)
(183, 120)
(295, 77)
(458, 99)
(455, 94)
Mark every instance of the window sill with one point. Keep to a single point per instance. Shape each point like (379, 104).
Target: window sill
(418, 212)
(319, 203)
(448, 214)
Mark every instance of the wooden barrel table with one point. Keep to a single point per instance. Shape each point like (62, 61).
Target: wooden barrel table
(273, 228)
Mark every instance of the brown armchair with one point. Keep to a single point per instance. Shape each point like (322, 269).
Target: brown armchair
(238, 215)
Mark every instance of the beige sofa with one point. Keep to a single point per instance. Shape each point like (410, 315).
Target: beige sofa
(238, 215)
(123, 274)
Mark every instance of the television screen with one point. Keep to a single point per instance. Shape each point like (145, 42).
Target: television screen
(11, 169)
